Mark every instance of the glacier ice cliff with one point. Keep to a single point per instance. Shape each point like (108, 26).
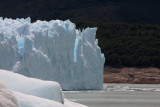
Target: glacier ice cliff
(53, 50)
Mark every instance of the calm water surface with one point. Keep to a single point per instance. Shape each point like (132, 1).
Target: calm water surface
(118, 95)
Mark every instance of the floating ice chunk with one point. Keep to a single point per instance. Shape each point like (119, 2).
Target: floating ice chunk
(31, 92)
(44, 89)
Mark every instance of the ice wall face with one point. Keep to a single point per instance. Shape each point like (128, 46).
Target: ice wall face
(53, 50)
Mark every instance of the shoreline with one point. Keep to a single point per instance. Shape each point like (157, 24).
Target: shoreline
(132, 75)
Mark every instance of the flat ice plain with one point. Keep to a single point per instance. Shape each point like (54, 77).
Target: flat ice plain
(119, 95)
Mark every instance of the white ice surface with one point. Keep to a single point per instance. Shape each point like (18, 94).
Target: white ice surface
(33, 101)
(44, 89)
(53, 50)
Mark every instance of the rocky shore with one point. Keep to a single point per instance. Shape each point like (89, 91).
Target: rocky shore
(132, 75)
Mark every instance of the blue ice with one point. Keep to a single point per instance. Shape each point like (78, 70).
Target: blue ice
(21, 45)
(75, 50)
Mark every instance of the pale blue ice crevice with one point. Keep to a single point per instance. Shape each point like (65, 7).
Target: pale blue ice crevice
(21, 32)
(75, 49)
(20, 42)
(76, 46)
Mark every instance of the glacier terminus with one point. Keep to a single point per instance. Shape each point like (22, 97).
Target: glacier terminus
(52, 50)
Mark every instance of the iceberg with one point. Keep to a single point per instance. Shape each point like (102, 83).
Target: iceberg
(45, 89)
(53, 50)
(17, 90)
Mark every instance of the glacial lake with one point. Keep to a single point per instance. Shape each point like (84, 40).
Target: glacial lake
(118, 95)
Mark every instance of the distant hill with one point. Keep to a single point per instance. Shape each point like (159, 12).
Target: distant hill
(129, 11)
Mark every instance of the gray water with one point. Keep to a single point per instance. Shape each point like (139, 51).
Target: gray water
(118, 95)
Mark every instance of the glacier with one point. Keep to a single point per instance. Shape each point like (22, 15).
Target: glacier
(52, 50)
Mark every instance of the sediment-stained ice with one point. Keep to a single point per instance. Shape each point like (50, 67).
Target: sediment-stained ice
(7, 97)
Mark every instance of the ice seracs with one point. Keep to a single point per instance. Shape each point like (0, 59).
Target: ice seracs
(53, 50)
